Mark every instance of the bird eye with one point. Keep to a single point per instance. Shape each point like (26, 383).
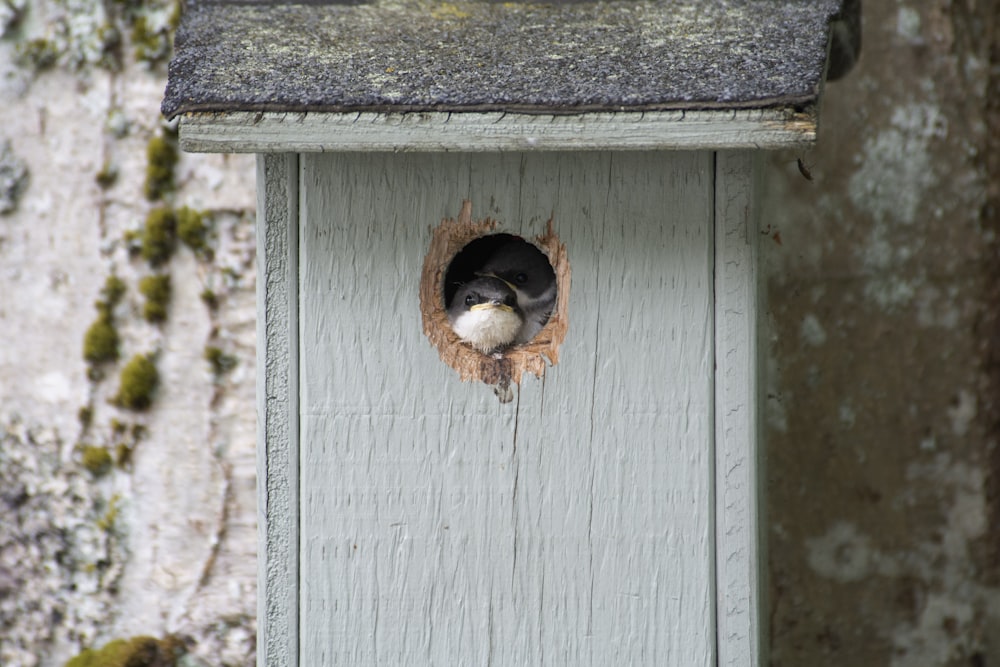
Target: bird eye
(470, 300)
(521, 278)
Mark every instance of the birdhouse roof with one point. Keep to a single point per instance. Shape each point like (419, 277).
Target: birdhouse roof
(480, 56)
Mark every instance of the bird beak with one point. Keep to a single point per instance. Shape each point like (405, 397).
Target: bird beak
(492, 304)
(493, 275)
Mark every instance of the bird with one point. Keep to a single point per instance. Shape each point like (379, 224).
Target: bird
(484, 314)
(528, 272)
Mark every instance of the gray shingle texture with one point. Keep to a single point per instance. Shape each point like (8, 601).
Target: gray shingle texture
(469, 55)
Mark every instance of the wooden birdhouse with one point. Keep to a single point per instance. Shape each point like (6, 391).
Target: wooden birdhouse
(590, 496)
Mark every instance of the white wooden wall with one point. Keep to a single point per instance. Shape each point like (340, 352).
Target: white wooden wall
(408, 518)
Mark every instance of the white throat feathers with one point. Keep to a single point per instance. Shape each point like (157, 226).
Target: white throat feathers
(488, 327)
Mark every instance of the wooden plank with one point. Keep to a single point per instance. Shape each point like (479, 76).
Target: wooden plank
(739, 460)
(640, 314)
(277, 411)
(572, 526)
(266, 132)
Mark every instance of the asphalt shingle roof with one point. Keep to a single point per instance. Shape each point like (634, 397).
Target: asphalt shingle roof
(472, 55)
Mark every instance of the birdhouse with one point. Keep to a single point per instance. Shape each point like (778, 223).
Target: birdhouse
(585, 490)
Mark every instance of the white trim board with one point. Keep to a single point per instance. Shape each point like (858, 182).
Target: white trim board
(277, 410)
(280, 132)
(739, 467)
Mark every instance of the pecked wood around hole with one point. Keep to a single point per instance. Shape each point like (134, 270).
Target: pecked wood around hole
(446, 241)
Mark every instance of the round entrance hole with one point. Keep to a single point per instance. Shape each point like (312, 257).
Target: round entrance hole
(463, 250)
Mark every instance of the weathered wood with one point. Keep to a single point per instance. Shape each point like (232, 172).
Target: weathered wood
(266, 132)
(572, 526)
(739, 463)
(277, 410)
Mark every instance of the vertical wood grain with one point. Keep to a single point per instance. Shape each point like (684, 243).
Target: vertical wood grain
(739, 465)
(277, 410)
(572, 526)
